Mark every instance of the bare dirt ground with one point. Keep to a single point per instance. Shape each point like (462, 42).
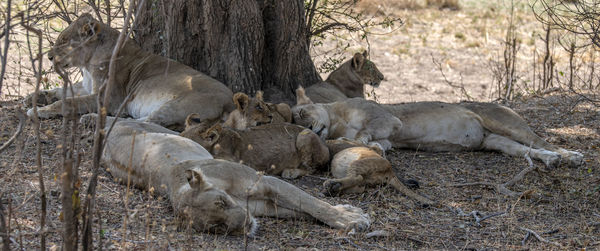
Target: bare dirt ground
(561, 204)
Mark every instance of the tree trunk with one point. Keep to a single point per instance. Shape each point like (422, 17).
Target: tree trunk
(248, 45)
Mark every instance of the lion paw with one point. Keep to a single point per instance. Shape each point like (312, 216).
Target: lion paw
(44, 98)
(573, 158)
(350, 218)
(551, 159)
(332, 187)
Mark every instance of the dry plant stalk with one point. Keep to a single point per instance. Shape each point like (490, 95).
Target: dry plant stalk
(100, 135)
(4, 55)
(22, 120)
(4, 233)
(36, 127)
(69, 178)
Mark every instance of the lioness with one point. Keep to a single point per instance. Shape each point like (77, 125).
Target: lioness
(156, 89)
(255, 111)
(355, 119)
(347, 81)
(279, 149)
(212, 195)
(437, 126)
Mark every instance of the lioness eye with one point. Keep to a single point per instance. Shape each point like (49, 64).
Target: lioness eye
(259, 108)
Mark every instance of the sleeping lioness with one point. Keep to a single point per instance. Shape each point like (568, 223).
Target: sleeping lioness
(212, 195)
(355, 119)
(438, 126)
(157, 89)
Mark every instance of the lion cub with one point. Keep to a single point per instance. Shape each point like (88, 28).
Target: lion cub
(255, 111)
(280, 149)
(354, 119)
(355, 166)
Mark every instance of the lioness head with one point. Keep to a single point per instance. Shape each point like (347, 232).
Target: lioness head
(310, 115)
(71, 48)
(209, 209)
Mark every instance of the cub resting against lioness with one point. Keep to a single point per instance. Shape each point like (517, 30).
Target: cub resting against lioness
(155, 88)
(437, 126)
(279, 148)
(212, 195)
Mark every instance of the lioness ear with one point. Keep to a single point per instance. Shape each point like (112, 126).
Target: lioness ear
(90, 29)
(365, 54)
(259, 95)
(358, 61)
(192, 119)
(241, 100)
(301, 98)
(195, 179)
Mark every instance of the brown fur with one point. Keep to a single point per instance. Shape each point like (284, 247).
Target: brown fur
(279, 149)
(355, 167)
(347, 81)
(212, 195)
(355, 119)
(254, 111)
(156, 89)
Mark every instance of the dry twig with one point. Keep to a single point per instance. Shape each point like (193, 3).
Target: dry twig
(36, 126)
(502, 188)
(22, 120)
(537, 236)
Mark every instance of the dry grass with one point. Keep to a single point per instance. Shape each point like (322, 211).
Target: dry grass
(562, 206)
(385, 6)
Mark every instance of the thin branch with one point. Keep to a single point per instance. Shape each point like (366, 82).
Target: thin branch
(3, 228)
(22, 120)
(4, 54)
(36, 126)
(537, 236)
(99, 134)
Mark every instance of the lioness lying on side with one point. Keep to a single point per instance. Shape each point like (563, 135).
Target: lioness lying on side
(212, 194)
(347, 81)
(155, 88)
(279, 149)
(355, 119)
(437, 126)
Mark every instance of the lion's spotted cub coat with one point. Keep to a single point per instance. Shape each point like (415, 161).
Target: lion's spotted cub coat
(279, 149)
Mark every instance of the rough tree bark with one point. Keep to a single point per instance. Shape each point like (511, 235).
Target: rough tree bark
(249, 45)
